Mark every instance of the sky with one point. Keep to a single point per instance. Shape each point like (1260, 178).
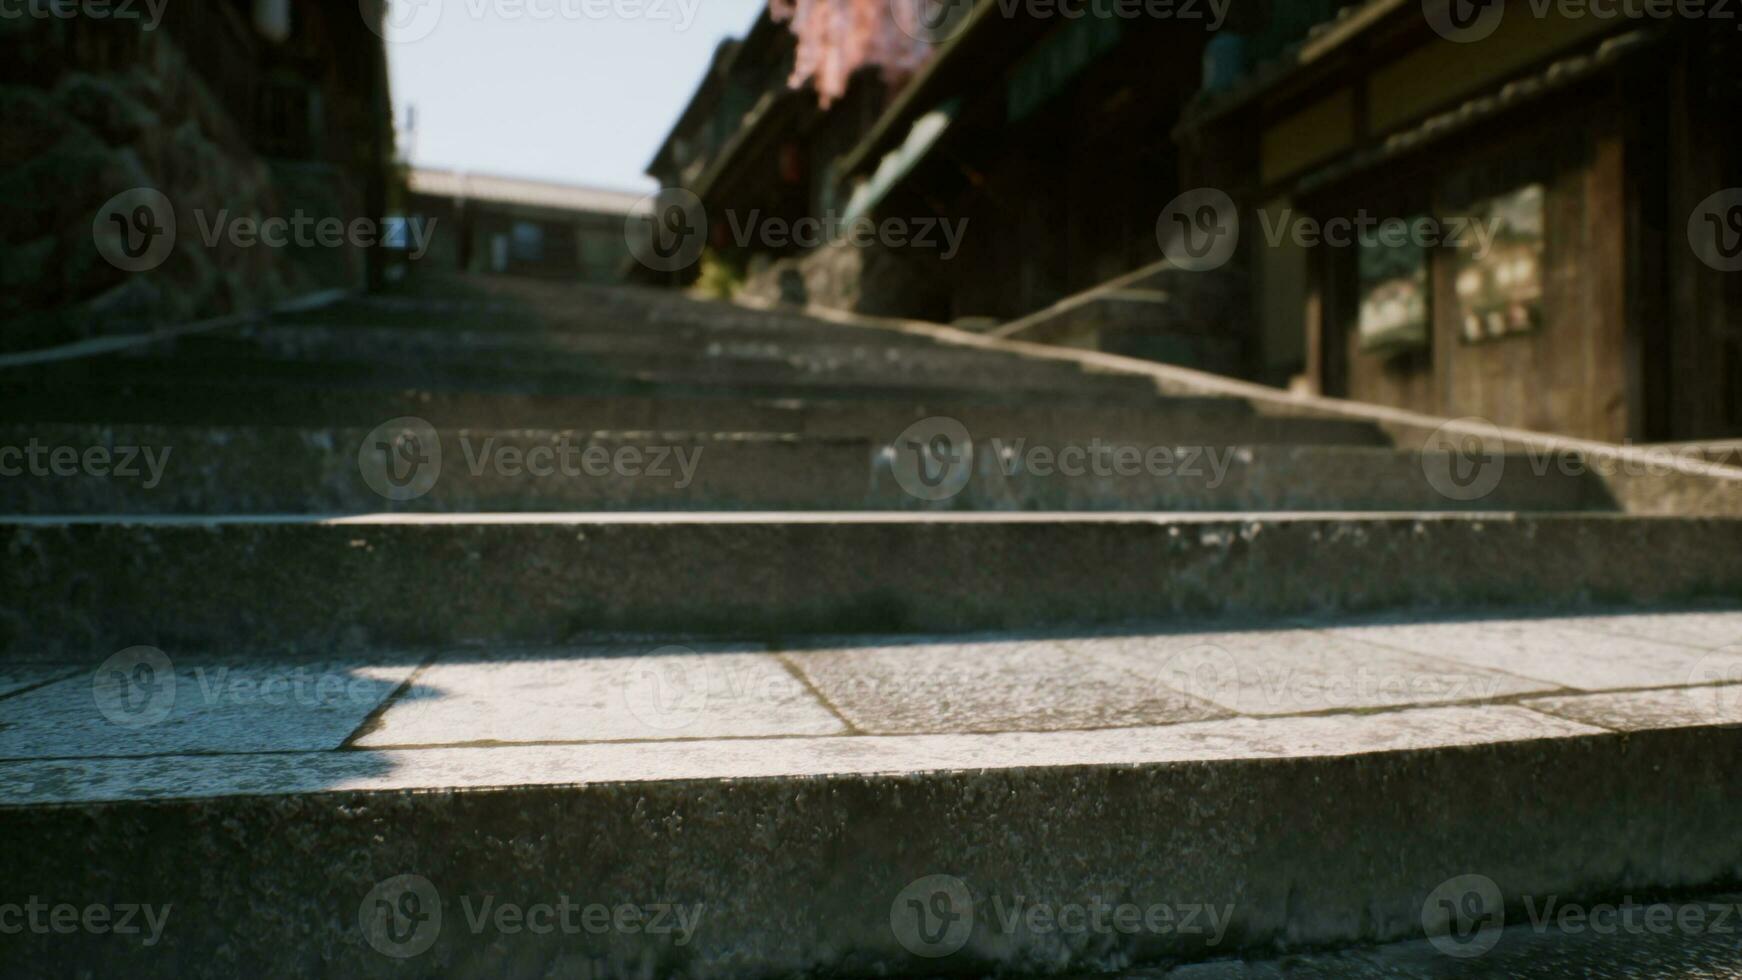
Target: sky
(576, 91)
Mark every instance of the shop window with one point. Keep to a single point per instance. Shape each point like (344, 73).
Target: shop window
(1497, 272)
(1393, 289)
(528, 242)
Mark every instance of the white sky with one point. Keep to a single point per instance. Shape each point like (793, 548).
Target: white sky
(578, 91)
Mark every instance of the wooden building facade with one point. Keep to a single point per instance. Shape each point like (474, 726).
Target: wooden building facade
(1576, 180)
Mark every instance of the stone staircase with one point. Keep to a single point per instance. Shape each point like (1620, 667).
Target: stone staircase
(535, 630)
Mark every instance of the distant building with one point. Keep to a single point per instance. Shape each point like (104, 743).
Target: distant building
(485, 224)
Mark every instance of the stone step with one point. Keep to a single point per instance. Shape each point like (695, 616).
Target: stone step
(602, 313)
(64, 469)
(985, 415)
(387, 581)
(693, 376)
(290, 338)
(646, 354)
(879, 806)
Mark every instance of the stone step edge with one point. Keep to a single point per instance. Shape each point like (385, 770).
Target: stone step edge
(106, 582)
(801, 874)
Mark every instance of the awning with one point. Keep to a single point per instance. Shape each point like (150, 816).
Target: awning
(899, 162)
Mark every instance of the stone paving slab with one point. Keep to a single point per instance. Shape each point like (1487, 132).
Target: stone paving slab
(908, 685)
(1633, 711)
(1557, 653)
(1300, 671)
(142, 703)
(603, 695)
(1708, 631)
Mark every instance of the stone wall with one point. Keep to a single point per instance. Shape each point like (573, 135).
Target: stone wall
(90, 110)
(871, 280)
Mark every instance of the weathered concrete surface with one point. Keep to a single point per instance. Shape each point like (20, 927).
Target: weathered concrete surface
(911, 685)
(1160, 421)
(153, 469)
(1705, 632)
(1564, 653)
(802, 875)
(1711, 704)
(273, 470)
(1643, 480)
(754, 786)
(603, 695)
(94, 586)
(678, 377)
(1286, 672)
(200, 704)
